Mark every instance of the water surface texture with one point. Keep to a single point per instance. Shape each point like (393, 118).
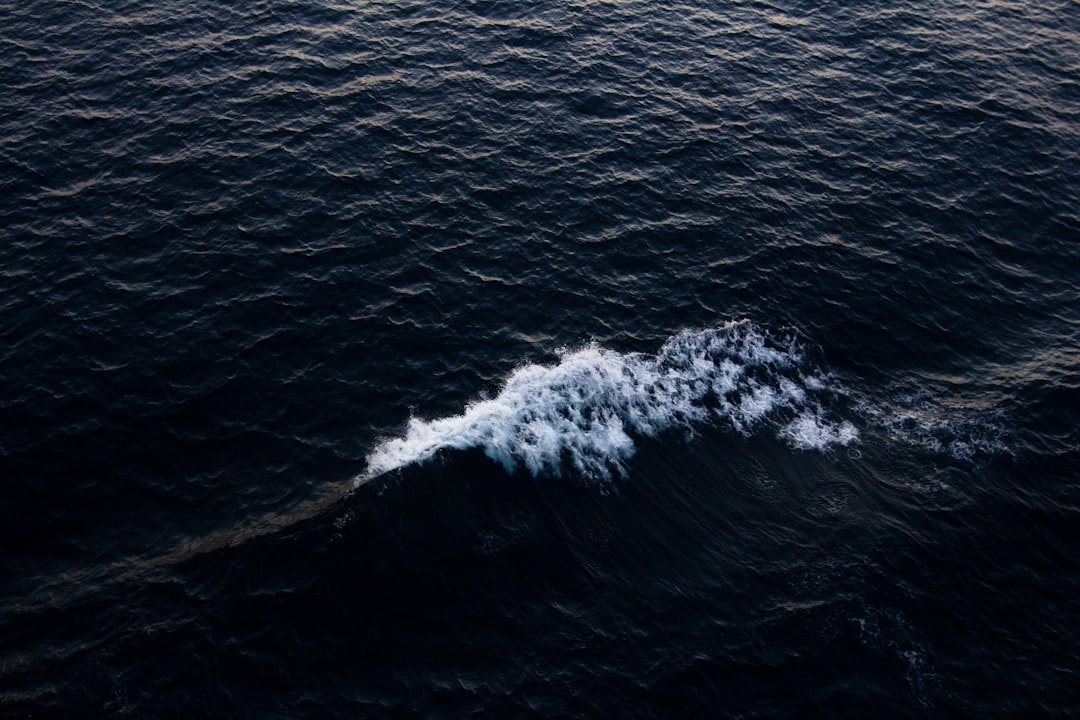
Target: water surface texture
(539, 359)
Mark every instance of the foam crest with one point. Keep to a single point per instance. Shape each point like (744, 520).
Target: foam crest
(584, 412)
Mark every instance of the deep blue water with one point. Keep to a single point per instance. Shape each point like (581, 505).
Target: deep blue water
(540, 359)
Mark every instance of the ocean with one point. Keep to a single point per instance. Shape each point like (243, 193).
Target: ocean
(535, 359)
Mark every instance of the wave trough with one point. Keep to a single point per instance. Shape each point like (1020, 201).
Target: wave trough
(584, 412)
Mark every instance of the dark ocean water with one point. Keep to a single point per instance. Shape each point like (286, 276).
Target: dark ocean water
(540, 359)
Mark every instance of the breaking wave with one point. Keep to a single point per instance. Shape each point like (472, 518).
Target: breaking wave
(584, 412)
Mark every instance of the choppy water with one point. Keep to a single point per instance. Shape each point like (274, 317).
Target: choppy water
(536, 359)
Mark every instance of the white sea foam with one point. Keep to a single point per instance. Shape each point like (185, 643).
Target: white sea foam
(584, 412)
(967, 431)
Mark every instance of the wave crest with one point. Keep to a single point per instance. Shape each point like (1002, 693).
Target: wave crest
(584, 411)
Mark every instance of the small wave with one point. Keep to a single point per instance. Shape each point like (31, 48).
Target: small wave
(583, 412)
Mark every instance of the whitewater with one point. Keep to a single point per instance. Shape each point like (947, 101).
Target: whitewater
(585, 411)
